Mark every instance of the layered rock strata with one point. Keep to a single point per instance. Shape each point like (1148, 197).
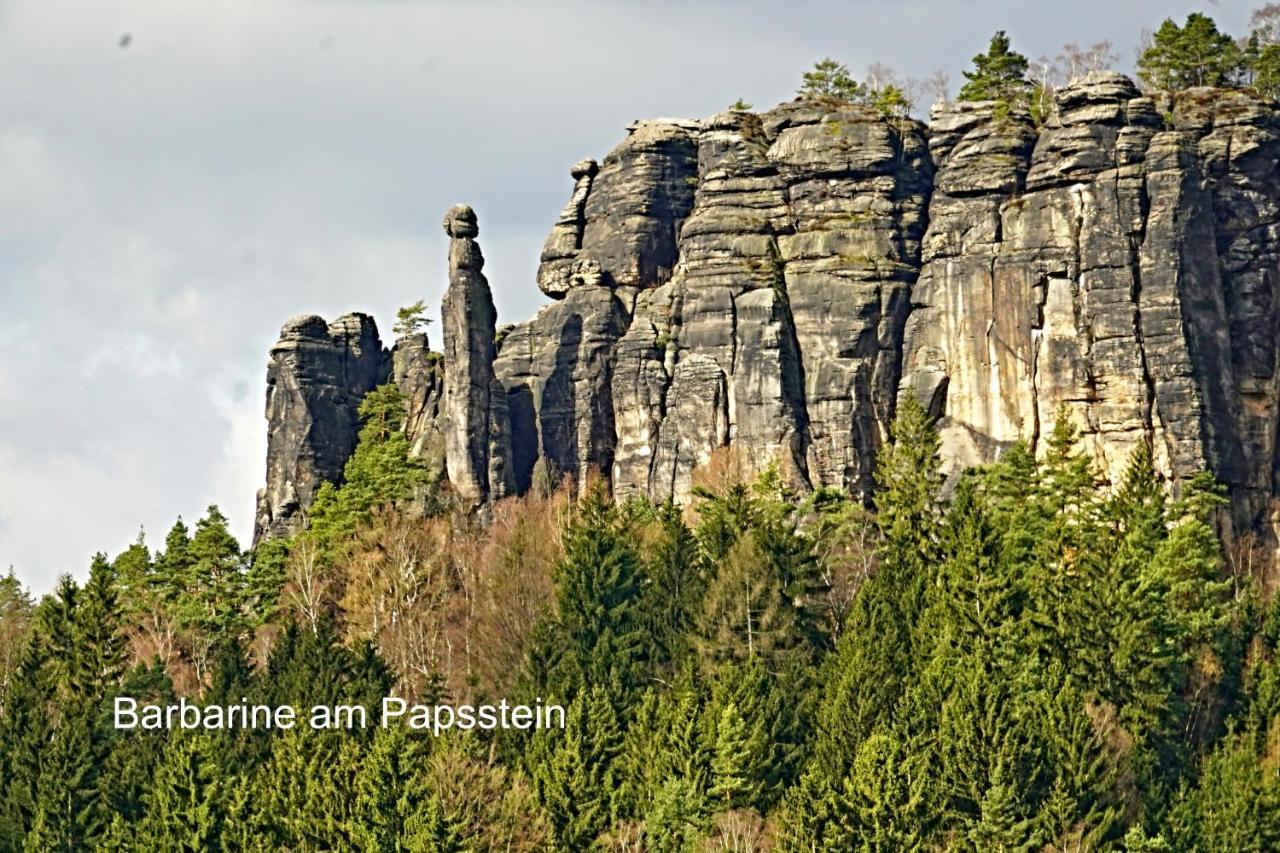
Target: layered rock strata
(773, 284)
(317, 375)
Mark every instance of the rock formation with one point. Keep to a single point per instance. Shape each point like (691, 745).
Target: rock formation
(473, 449)
(1120, 263)
(419, 375)
(317, 374)
(774, 282)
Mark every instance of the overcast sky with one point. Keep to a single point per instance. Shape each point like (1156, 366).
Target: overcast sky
(179, 178)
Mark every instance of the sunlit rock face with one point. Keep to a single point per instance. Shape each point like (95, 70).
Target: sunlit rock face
(774, 283)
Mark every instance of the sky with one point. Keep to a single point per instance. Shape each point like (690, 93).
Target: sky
(179, 178)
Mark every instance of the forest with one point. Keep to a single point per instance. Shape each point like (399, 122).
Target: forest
(1022, 660)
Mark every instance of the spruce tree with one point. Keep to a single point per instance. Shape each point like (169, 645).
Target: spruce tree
(596, 637)
(184, 807)
(574, 771)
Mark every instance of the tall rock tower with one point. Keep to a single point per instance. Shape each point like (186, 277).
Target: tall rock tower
(316, 377)
(475, 430)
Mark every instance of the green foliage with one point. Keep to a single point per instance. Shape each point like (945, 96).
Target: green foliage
(574, 770)
(830, 79)
(1022, 658)
(380, 471)
(1195, 54)
(1000, 74)
(411, 319)
(1262, 63)
(595, 638)
(741, 106)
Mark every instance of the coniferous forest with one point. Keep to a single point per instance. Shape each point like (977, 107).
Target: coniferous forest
(1026, 662)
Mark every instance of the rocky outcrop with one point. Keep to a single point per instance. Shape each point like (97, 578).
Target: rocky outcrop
(473, 448)
(556, 371)
(316, 377)
(775, 282)
(419, 375)
(620, 226)
(1120, 265)
(791, 291)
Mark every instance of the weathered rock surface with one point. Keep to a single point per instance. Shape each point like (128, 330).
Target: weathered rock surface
(776, 282)
(316, 377)
(620, 226)
(1121, 263)
(419, 375)
(469, 323)
(556, 371)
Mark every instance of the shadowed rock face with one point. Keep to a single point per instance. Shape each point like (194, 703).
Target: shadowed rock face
(774, 283)
(419, 375)
(316, 377)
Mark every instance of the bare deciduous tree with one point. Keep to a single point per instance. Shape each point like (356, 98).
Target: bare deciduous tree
(739, 831)
(937, 86)
(310, 589)
(397, 586)
(846, 553)
(1265, 23)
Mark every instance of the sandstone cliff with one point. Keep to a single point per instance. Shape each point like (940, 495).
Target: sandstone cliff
(774, 282)
(317, 374)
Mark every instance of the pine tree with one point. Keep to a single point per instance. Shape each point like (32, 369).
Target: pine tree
(1195, 54)
(1000, 74)
(830, 79)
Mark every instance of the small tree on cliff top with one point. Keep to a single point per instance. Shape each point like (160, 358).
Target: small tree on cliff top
(1195, 54)
(1000, 74)
(411, 319)
(831, 79)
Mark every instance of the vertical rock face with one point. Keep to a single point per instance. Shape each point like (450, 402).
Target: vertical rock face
(791, 291)
(774, 283)
(1121, 263)
(316, 377)
(419, 375)
(620, 226)
(469, 321)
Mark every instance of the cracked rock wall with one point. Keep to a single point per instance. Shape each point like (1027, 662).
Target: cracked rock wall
(774, 282)
(1119, 263)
